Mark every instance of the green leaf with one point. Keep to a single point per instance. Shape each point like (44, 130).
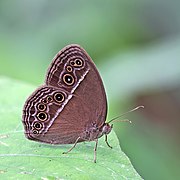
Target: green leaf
(24, 159)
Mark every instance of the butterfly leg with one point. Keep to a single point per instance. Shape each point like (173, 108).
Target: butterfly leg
(106, 140)
(74, 145)
(95, 150)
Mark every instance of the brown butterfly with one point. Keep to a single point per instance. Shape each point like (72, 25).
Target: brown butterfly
(71, 106)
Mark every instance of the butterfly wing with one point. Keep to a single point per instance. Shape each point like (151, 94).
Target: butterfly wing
(74, 61)
(73, 74)
(41, 110)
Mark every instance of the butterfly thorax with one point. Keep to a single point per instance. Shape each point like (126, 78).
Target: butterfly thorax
(94, 132)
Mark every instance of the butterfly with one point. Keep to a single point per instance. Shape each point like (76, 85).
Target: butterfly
(71, 106)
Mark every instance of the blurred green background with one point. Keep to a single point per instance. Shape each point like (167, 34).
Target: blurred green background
(136, 47)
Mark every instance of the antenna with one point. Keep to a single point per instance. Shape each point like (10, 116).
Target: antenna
(126, 120)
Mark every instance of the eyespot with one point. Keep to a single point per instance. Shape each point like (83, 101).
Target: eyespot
(59, 97)
(68, 79)
(78, 62)
(72, 63)
(41, 107)
(49, 99)
(37, 125)
(42, 116)
(69, 68)
(44, 101)
(35, 132)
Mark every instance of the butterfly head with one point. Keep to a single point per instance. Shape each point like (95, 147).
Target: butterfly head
(106, 129)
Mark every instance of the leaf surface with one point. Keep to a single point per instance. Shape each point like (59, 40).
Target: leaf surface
(24, 159)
